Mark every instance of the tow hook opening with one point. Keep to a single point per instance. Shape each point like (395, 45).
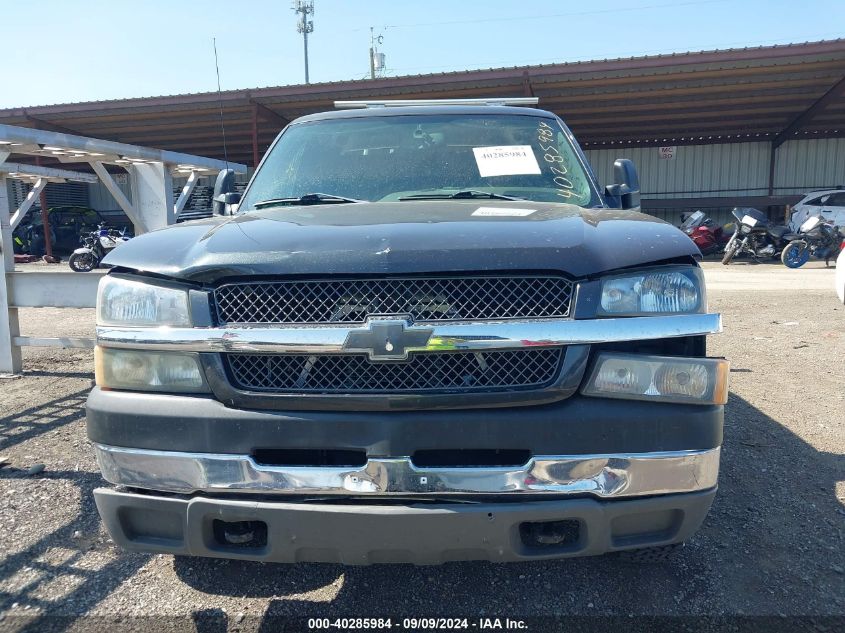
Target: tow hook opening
(240, 534)
(542, 536)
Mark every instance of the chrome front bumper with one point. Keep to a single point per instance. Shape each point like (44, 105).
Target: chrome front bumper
(601, 476)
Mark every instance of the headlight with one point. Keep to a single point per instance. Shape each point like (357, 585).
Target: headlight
(661, 378)
(148, 371)
(672, 291)
(744, 229)
(127, 302)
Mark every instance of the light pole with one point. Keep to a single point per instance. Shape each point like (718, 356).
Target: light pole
(304, 26)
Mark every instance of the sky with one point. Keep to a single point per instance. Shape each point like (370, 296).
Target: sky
(60, 51)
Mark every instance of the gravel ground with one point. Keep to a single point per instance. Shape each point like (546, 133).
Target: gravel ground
(773, 544)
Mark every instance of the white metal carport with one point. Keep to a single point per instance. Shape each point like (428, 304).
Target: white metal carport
(150, 206)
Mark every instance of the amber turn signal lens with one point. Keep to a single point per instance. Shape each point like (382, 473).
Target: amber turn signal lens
(659, 378)
(140, 370)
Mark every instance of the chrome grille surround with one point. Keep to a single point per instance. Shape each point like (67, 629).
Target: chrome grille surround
(464, 298)
(328, 339)
(437, 372)
(575, 336)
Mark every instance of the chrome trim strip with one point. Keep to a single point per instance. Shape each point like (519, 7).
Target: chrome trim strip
(603, 476)
(498, 335)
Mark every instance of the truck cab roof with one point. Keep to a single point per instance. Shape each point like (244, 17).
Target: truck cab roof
(424, 110)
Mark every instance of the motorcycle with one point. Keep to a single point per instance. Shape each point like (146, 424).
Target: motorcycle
(815, 238)
(707, 235)
(755, 236)
(95, 246)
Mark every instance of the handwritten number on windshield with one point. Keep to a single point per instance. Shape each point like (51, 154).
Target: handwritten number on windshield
(545, 135)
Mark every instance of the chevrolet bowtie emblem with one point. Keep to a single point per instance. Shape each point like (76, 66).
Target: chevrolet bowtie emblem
(387, 338)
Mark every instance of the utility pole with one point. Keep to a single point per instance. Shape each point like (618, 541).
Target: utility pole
(304, 26)
(372, 55)
(376, 58)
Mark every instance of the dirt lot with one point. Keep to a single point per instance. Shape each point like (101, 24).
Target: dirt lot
(773, 544)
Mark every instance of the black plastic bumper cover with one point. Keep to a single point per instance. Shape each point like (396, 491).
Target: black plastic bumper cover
(575, 426)
(414, 533)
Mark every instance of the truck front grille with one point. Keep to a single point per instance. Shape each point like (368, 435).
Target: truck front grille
(431, 372)
(423, 298)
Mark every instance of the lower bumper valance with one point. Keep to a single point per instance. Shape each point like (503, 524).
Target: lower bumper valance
(422, 533)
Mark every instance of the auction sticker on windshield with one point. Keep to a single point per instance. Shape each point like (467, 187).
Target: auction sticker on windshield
(505, 160)
(496, 212)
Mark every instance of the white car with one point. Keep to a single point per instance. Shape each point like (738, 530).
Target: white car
(840, 276)
(830, 203)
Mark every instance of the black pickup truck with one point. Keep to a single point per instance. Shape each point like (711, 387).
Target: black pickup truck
(423, 334)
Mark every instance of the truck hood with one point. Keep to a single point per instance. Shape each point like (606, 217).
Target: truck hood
(405, 237)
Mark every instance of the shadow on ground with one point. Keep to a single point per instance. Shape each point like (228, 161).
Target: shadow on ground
(772, 544)
(92, 584)
(42, 418)
(82, 585)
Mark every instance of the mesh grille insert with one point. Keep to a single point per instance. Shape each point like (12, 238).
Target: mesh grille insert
(425, 299)
(427, 372)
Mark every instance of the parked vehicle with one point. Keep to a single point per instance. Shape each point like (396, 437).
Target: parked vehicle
(427, 334)
(96, 245)
(67, 224)
(707, 235)
(755, 236)
(815, 238)
(36, 244)
(829, 203)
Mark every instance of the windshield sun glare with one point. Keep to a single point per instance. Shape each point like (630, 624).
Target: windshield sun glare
(416, 157)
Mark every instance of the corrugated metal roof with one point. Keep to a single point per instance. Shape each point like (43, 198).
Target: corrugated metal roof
(676, 58)
(738, 94)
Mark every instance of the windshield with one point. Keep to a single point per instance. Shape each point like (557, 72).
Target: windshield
(740, 213)
(390, 158)
(693, 220)
(810, 224)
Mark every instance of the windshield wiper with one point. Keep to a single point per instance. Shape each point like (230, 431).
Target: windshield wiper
(468, 194)
(306, 199)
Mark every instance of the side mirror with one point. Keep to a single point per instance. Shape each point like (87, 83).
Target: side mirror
(224, 193)
(625, 192)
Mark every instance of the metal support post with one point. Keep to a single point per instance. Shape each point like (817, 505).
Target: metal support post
(120, 198)
(772, 158)
(187, 190)
(10, 354)
(45, 223)
(152, 192)
(27, 203)
(255, 156)
(45, 226)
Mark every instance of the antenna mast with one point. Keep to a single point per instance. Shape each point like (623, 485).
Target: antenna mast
(220, 102)
(304, 26)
